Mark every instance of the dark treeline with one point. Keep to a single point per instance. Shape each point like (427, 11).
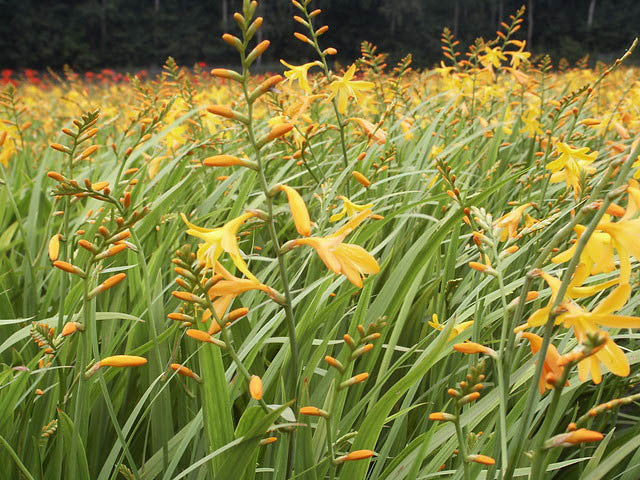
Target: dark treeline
(129, 34)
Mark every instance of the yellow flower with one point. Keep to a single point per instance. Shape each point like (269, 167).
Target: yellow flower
(569, 165)
(508, 224)
(298, 210)
(218, 240)
(492, 58)
(584, 322)
(519, 55)
(344, 88)
(300, 74)
(457, 329)
(597, 254)
(352, 261)
(575, 290)
(349, 208)
(550, 365)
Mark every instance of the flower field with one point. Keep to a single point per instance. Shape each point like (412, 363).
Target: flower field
(358, 271)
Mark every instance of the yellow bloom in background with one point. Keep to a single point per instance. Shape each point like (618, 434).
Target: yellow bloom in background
(8, 137)
(570, 164)
(299, 74)
(349, 209)
(519, 55)
(344, 88)
(219, 240)
(352, 261)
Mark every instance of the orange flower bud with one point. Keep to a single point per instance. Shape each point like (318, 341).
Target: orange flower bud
(54, 247)
(441, 417)
(228, 161)
(314, 412)
(480, 267)
(56, 176)
(483, 459)
(187, 372)
(276, 132)
(228, 74)
(187, 297)
(265, 86)
(60, 148)
(233, 41)
(335, 363)
(88, 151)
(321, 30)
(302, 38)
(364, 181)
(122, 361)
(298, 211)
(268, 440)
(353, 380)
(99, 186)
(67, 267)
(356, 455)
(71, 327)
(257, 51)
(582, 435)
(330, 51)
(472, 347)
(255, 387)
(180, 317)
(111, 251)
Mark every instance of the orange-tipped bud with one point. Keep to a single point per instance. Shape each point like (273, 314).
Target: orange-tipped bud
(70, 328)
(576, 437)
(268, 440)
(330, 51)
(362, 180)
(348, 339)
(185, 371)
(302, 38)
(257, 51)
(355, 455)
(228, 161)
(87, 245)
(99, 186)
(228, 74)
(590, 122)
(298, 211)
(265, 86)
(119, 236)
(314, 412)
(54, 247)
(188, 297)
(472, 397)
(358, 352)
(316, 12)
(335, 363)
(480, 267)
(227, 112)
(107, 284)
(482, 459)
(60, 148)
(233, 41)
(67, 267)
(122, 361)
(322, 30)
(180, 317)
(353, 380)
(472, 347)
(111, 251)
(255, 387)
(56, 176)
(441, 417)
(88, 151)
(199, 335)
(276, 132)
(452, 392)
(237, 314)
